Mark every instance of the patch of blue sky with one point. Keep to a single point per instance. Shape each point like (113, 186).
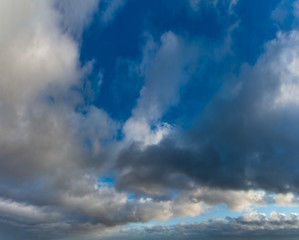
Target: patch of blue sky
(256, 28)
(287, 210)
(107, 182)
(110, 46)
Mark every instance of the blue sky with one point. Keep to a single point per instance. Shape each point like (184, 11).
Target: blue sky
(149, 119)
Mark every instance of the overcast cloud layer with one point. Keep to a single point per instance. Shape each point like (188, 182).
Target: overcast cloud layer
(112, 114)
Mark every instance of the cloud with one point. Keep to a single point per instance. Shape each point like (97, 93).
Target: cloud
(75, 16)
(235, 200)
(39, 64)
(111, 9)
(29, 213)
(55, 149)
(251, 226)
(248, 129)
(285, 200)
(49, 145)
(285, 15)
(165, 68)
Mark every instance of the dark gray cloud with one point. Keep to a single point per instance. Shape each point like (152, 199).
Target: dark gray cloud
(246, 138)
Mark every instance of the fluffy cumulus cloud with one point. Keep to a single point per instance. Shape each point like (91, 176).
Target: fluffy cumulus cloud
(69, 169)
(287, 199)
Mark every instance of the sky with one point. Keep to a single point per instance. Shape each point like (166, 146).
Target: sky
(149, 119)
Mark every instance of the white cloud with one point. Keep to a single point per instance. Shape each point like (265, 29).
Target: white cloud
(235, 200)
(140, 131)
(287, 199)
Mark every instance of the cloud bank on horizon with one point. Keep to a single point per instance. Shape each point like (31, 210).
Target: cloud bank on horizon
(123, 112)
